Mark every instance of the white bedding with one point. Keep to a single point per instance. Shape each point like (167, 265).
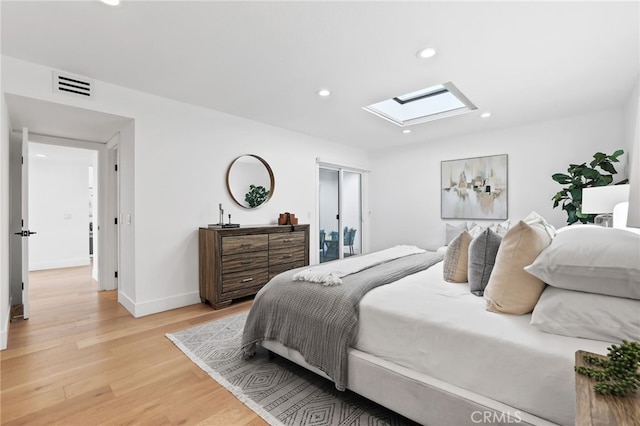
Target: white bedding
(440, 329)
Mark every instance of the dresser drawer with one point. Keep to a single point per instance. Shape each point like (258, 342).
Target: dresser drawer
(286, 255)
(278, 269)
(244, 244)
(245, 261)
(284, 240)
(246, 280)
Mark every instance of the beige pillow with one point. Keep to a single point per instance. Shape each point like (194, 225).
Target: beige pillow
(511, 290)
(457, 258)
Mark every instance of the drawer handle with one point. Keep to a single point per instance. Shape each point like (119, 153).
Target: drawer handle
(246, 280)
(246, 244)
(246, 262)
(287, 240)
(286, 256)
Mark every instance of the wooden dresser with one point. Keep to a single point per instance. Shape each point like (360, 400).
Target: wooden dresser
(237, 262)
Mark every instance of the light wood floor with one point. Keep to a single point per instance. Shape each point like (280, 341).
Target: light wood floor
(82, 359)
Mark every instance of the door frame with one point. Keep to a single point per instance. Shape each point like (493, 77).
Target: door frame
(364, 213)
(106, 229)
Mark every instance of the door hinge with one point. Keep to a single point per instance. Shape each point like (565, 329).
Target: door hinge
(22, 223)
(23, 286)
(116, 274)
(21, 160)
(116, 167)
(115, 220)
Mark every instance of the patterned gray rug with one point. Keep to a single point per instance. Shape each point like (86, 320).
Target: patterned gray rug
(279, 391)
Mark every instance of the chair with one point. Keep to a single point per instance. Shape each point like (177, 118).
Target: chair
(322, 238)
(332, 245)
(349, 238)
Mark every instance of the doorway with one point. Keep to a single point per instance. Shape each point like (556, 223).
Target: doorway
(339, 212)
(63, 205)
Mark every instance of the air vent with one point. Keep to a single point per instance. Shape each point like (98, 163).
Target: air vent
(74, 85)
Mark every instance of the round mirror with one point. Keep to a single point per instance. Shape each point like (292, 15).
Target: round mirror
(250, 181)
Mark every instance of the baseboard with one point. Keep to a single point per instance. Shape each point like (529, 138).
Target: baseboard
(158, 305)
(62, 263)
(128, 304)
(4, 331)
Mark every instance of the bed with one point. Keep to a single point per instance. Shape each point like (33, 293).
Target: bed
(445, 358)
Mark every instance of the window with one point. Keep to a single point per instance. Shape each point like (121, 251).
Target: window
(443, 100)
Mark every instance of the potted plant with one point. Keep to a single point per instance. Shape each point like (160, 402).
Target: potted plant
(581, 176)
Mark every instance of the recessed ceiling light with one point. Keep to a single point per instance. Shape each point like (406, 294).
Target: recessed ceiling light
(485, 114)
(41, 156)
(111, 2)
(324, 93)
(427, 52)
(406, 131)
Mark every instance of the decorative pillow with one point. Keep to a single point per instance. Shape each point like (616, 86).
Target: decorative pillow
(587, 315)
(456, 259)
(482, 256)
(511, 290)
(501, 228)
(593, 259)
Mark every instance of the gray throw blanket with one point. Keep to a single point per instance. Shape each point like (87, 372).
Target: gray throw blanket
(319, 321)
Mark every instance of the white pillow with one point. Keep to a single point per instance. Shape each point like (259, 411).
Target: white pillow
(587, 315)
(452, 231)
(594, 259)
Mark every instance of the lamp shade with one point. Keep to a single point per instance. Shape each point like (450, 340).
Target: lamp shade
(602, 199)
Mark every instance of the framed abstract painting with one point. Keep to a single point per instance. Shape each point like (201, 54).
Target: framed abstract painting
(474, 188)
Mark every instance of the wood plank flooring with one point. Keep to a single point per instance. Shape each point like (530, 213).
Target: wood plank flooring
(82, 359)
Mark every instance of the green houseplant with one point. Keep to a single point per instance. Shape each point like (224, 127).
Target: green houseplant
(618, 373)
(256, 195)
(599, 172)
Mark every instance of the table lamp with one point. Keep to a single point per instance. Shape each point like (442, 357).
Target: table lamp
(601, 200)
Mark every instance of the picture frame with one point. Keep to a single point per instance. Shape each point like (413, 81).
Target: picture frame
(474, 188)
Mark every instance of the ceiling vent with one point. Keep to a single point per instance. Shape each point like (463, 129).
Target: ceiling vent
(74, 85)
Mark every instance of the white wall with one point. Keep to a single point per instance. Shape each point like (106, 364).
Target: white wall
(59, 207)
(632, 134)
(5, 308)
(406, 207)
(173, 177)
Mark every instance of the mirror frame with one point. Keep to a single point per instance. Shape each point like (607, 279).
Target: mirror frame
(272, 181)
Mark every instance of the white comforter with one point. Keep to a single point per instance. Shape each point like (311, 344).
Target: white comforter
(441, 329)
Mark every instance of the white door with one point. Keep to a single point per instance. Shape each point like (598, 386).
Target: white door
(25, 222)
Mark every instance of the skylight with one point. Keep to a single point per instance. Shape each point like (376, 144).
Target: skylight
(443, 100)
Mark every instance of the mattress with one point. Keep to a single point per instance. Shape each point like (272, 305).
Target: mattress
(442, 330)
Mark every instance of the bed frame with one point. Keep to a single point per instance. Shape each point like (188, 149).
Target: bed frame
(417, 396)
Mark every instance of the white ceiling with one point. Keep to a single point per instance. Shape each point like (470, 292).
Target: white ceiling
(523, 61)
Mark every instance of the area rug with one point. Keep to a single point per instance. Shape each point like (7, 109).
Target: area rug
(279, 391)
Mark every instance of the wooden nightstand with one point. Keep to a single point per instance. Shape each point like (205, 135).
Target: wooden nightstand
(603, 410)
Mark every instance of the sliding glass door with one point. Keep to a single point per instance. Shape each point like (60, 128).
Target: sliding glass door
(340, 213)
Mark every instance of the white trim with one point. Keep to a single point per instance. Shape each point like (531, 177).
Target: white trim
(4, 332)
(336, 164)
(62, 263)
(158, 305)
(128, 304)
